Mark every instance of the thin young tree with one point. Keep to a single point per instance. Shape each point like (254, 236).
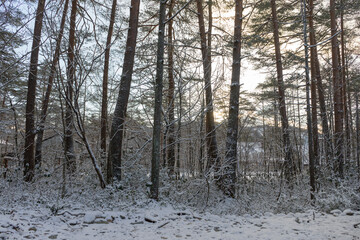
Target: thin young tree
(347, 145)
(29, 157)
(156, 151)
(104, 101)
(45, 103)
(69, 119)
(289, 156)
(338, 164)
(229, 178)
(315, 135)
(117, 126)
(309, 113)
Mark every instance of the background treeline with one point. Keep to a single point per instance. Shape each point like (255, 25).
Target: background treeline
(150, 92)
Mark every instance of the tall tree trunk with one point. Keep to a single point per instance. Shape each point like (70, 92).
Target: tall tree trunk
(310, 126)
(357, 131)
(289, 155)
(316, 78)
(29, 158)
(45, 103)
(300, 154)
(212, 149)
(229, 178)
(104, 101)
(171, 93)
(117, 127)
(69, 119)
(209, 31)
(347, 146)
(155, 161)
(313, 85)
(338, 99)
(201, 136)
(178, 131)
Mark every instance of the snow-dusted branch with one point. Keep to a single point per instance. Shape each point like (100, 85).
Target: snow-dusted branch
(323, 42)
(182, 8)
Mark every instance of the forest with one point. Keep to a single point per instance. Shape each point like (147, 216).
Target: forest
(241, 107)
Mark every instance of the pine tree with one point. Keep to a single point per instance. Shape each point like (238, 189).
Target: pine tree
(213, 159)
(155, 160)
(171, 94)
(289, 156)
(69, 119)
(338, 98)
(117, 127)
(104, 102)
(29, 154)
(229, 178)
(46, 100)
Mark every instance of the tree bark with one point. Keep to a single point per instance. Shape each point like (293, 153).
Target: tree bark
(104, 101)
(156, 151)
(29, 158)
(171, 93)
(289, 155)
(212, 149)
(229, 178)
(313, 84)
(357, 132)
(338, 98)
(347, 146)
(310, 115)
(315, 71)
(69, 119)
(179, 128)
(201, 136)
(117, 127)
(45, 103)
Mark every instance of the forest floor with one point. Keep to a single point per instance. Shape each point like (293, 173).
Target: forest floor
(187, 209)
(161, 221)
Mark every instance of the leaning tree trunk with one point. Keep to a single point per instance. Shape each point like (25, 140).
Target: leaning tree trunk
(289, 155)
(29, 160)
(117, 127)
(69, 119)
(229, 178)
(212, 149)
(338, 99)
(104, 102)
(170, 97)
(155, 161)
(45, 103)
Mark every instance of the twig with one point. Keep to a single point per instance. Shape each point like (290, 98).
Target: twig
(141, 222)
(72, 214)
(162, 225)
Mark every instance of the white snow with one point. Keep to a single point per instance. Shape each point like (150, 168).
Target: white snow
(169, 223)
(188, 209)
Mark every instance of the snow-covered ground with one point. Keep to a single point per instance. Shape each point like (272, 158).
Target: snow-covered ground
(187, 209)
(161, 221)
